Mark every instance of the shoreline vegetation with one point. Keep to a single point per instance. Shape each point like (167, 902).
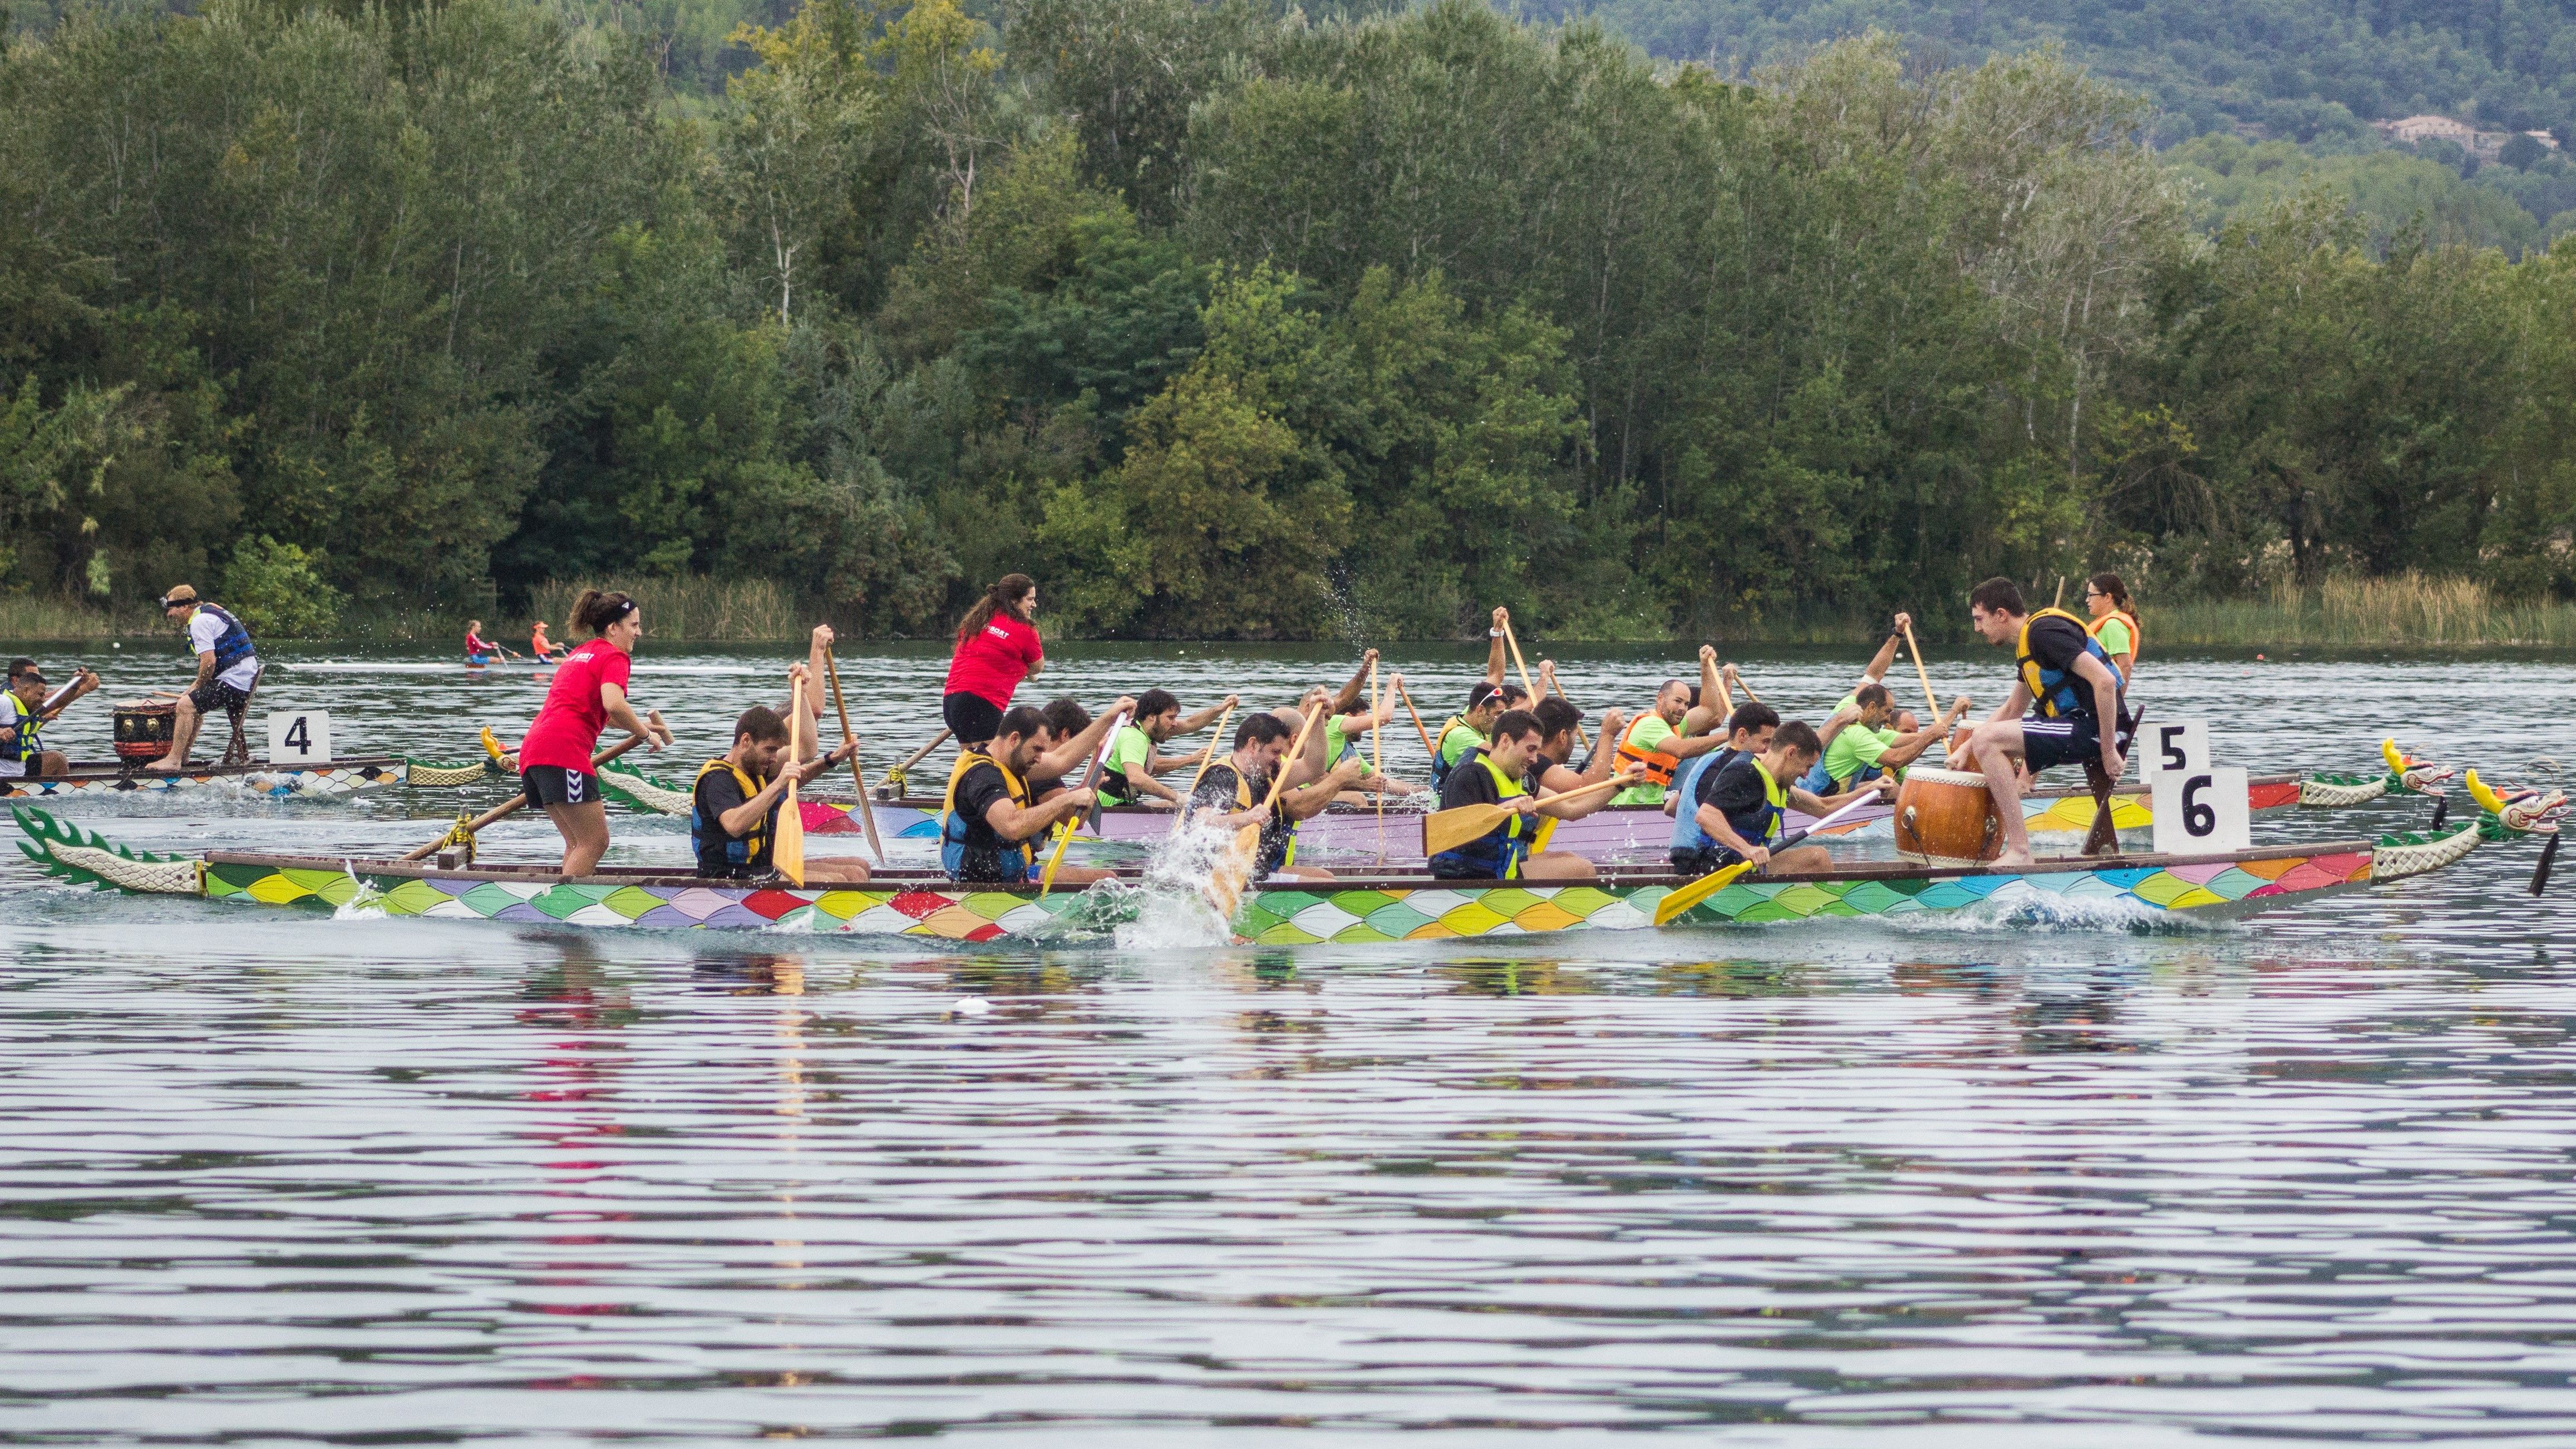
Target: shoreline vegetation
(2406, 612)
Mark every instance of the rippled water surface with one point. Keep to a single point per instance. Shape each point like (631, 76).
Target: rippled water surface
(274, 1177)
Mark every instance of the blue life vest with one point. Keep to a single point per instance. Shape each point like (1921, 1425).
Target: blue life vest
(2061, 693)
(1758, 826)
(231, 646)
(1498, 852)
(1686, 832)
(17, 714)
(959, 835)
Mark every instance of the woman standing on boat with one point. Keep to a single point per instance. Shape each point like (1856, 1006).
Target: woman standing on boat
(997, 647)
(588, 695)
(2115, 623)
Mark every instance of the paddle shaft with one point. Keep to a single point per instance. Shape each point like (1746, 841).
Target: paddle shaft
(867, 812)
(1090, 777)
(924, 752)
(1209, 757)
(1419, 728)
(1920, 672)
(1377, 749)
(1522, 665)
(519, 802)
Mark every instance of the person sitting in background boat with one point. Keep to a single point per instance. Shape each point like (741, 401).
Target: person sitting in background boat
(1242, 781)
(733, 808)
(587, 696)
(542, 649)
(2115, 624)
(227, 667)
(1738, 809)
(24, 713)
(1135, 758)
(992, 819)
(479, 650)
(997, 647)
(1867, 747)
(2065, 677)
(1497, 773)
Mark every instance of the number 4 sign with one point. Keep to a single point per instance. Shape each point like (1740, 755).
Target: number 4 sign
(299, 737)
(2201, 810)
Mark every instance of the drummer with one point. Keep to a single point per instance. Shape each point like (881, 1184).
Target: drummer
(2066, 678)
(23, 717)
(227, 668)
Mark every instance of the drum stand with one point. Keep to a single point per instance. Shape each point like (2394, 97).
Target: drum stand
(2101, 839)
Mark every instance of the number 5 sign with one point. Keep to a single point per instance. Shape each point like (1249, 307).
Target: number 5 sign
(303, 737)
(2172, 747)
(2201, 810)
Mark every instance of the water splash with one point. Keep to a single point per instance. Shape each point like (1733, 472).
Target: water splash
(368, 904)
(2020, 909)
(1170, 909)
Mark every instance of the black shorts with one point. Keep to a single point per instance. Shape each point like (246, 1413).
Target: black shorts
(555, 785)
(972, 718)
(2046, 743)
(216, 697)
(1703, 860)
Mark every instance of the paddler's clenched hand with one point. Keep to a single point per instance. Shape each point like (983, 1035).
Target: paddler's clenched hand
(823, 636)
(1080, 799)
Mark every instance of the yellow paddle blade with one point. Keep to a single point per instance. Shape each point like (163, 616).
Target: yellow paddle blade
(788, 851)
(2484, 793)
(1673, 905)
(1063, 843)
(1449, 829)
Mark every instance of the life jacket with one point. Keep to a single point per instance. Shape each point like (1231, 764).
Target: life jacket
(1278, 837)
(720, 855)
(2137, 636)
(2060, 693)
(960, 837)
(1440, 769)
(231, 646)
(1686, 832)
(1658, 765)
(1499, 851)
(1761, 824)
(30, 725)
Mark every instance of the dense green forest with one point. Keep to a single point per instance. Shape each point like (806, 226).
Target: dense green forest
(1217, 319)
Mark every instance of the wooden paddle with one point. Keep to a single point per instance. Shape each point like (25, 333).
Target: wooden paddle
(1406, 695)
(1377, 748)
(867, 812)
(1226, 882)
(1920, 672)
(787, 849)
(1717, 880)
(1090, 778)
(1205, 760)
(519, 802)
(1522, 665)
(1454, 827)
(898, 773)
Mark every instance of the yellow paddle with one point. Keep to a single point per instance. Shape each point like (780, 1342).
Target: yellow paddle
(1226, 882)
(1717, 880)
(1090, 777)
(1444, 830)
(1208, 758)
(787, 852)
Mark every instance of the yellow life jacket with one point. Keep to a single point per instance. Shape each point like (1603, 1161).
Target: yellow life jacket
(1243, 801)
(954, 829)
(2060, 693)
(707, 836)
(28, 720)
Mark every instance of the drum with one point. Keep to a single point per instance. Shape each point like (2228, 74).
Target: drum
(1947, 816)
(143, 728)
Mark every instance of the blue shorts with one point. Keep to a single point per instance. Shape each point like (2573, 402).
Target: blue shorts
(2047, 743)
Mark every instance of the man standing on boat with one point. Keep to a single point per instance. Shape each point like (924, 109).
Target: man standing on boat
(733, 809)
(1238, 785)
(1134, 758)
(24, 715)
(227, 667)
(991, 820)
(2065, 677)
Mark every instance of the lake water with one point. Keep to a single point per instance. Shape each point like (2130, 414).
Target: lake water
(270, 1177)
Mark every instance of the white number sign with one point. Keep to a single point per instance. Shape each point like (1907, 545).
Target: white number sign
(299, 737)
(2176, 746)
(2198, 811)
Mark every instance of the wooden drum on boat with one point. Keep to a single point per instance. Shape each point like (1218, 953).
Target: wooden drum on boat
(1947, 816)
(143, 728)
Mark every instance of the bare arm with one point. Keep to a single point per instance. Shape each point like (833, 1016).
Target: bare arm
(1494, 653)
(1141, 783)
(1348, 696)
(1193, 723)
(742, 817)
(1723, 832)
(2106, 708)
(1014, 821)
(1061, 760)
(1307, 801)
(1713, 706)
(612, 698)
(1909, 749)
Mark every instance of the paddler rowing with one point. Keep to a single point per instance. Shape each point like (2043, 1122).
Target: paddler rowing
(1233, 791)
(733, 819)
(992, 818)
(25, 711)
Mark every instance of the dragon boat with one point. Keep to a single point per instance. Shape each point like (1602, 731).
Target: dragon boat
(340, 777)
(2117, 890)
(1618, 832)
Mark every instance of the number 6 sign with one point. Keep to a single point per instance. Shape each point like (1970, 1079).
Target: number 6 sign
(299, 737)
(2198, 811)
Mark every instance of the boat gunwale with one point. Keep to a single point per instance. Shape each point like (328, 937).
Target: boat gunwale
(100, 771)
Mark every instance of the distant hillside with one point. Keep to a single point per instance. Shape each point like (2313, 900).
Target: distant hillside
(2296, 68)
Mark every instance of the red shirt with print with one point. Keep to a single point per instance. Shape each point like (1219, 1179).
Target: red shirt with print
(991, 664)
(567, 729)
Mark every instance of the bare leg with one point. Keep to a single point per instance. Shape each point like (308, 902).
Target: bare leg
(836, 870)
(53, 764)
(585, 833)
(183, 733)
(1558, 865)
(1993, 747)
(1800, 859)
(1081, 875)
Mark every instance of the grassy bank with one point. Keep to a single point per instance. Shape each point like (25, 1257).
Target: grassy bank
(41, 619)
(695, 610)
(2404, 611)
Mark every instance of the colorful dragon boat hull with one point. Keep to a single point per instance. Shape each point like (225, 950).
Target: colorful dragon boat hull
(1619, 832)
(340, 777)
(1393, 907)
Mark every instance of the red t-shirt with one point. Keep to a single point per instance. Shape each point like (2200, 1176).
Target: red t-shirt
(992, 664)
(567, 729)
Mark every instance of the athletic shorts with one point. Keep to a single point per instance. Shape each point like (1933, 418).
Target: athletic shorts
(1700, 862)
(556, 785)
(216, 697)
(972, 718)
(990, 867)
(2050, 742)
